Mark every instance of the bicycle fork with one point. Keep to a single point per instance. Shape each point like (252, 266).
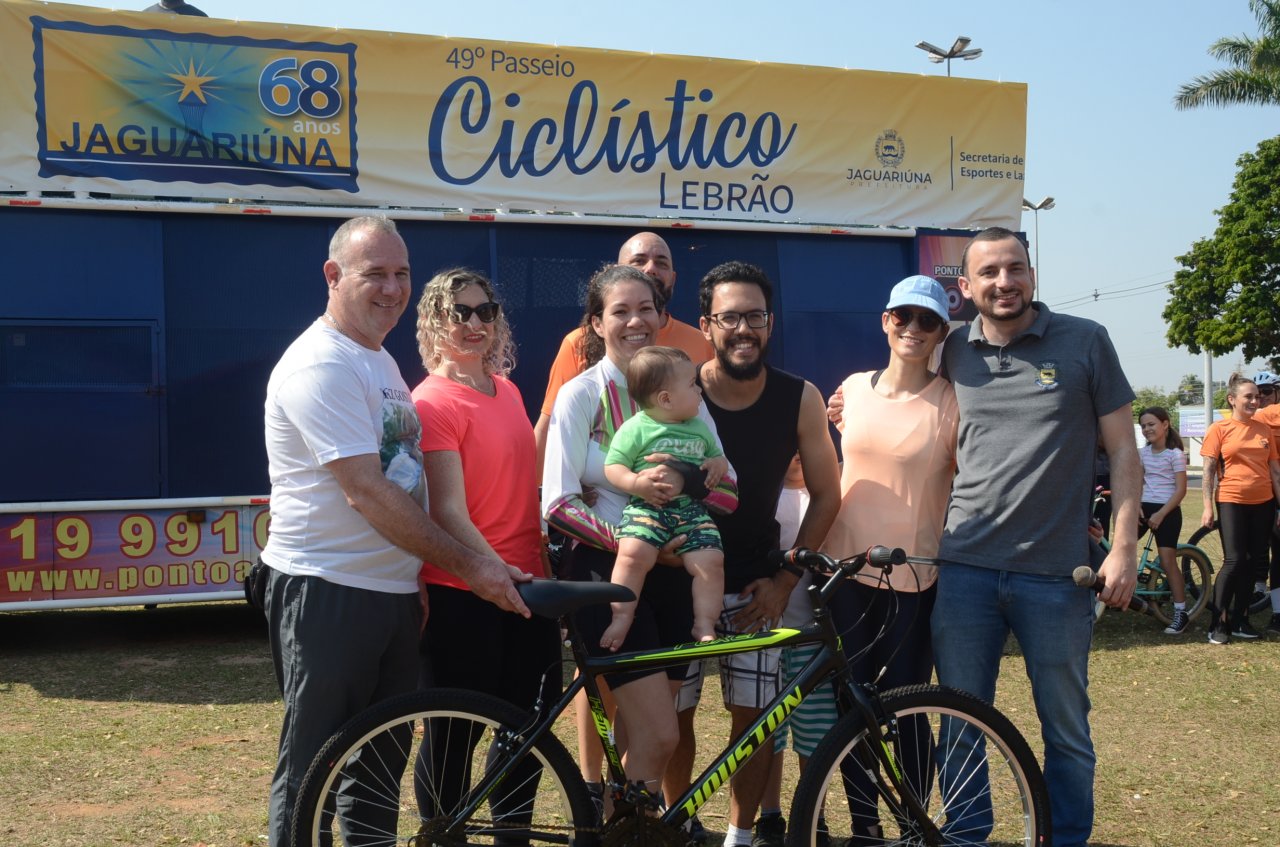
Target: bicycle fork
(878, 755)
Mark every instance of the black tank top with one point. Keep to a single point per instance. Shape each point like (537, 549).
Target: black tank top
(760, 442)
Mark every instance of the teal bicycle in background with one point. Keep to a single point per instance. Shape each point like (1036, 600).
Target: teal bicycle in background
(1153, 586)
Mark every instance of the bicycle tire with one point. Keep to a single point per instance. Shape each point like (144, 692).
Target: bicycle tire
(1197, 575)
(1210, 541)
(1019, 801)
(452, 738)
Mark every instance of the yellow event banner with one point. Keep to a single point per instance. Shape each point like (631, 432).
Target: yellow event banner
(146, 104)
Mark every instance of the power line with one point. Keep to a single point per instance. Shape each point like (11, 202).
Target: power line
(1135, 279)
(1118, 294)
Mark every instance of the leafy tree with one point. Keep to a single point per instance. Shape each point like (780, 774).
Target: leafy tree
(1227, 294)
(1150, 396)
(1191, 390)
(1253, 79)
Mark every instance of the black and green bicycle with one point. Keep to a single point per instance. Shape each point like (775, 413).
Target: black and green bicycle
(921, 765)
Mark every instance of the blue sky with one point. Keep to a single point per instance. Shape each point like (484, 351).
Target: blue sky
(1136, 182)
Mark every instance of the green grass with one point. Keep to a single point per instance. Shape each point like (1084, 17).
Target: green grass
(158, 727)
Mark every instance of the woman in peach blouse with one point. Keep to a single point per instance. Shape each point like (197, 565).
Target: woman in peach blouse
(898, 437)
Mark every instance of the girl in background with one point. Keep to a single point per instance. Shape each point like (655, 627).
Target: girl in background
(1164, 484)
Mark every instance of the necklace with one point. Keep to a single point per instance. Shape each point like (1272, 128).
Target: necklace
(485, 384)
(334, 323)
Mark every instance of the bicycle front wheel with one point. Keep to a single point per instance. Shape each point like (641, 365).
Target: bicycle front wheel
(1196, 574)
(967, 765)
(403, 771)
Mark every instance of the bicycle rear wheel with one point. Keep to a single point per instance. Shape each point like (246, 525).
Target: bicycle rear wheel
(405, 768)
(968, 766)
(1210, 541)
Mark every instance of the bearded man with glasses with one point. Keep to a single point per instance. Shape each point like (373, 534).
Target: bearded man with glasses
(763, 416)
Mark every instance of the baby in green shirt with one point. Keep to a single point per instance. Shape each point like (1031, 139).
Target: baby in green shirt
(663, 382)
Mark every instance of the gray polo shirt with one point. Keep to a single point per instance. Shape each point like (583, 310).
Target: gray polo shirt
(1028, 435)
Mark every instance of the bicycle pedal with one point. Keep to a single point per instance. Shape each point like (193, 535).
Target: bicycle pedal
(640, 797)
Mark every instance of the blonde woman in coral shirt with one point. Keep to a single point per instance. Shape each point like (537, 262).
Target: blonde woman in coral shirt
(898, 437)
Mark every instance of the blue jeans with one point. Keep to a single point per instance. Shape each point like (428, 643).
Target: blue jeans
(1052, 619)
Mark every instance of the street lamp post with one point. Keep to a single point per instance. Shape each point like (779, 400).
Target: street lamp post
(937, 55)
(1045, 204)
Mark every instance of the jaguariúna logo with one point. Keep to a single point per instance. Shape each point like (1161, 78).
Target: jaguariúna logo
(1047, 375)
(148, 104)
(890, 149)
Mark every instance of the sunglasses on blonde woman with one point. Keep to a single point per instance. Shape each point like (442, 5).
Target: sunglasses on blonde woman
(486, 312)
(902, 316)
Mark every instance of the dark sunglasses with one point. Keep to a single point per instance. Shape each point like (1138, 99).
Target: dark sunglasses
(901, 316)
(487, 312)
(1266, 389)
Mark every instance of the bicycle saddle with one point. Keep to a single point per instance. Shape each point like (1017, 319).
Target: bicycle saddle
(553, 598)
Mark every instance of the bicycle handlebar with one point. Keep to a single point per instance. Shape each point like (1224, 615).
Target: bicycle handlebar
(878, 557)
(1085, 577)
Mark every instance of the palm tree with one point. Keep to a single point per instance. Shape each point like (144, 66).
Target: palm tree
(1255, 78)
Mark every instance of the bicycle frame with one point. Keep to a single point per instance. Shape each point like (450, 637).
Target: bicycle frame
(1148, 563)
(828, 665)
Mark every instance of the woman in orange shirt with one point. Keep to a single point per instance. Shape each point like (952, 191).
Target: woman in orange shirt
(1241, 475)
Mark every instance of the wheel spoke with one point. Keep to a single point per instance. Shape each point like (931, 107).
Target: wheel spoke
(457, 742)
(973, 776)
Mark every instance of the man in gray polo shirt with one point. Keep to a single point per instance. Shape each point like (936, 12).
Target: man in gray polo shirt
(1036, 392)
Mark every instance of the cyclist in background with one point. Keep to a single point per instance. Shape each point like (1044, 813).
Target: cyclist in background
(1242, 475)
(1269, 413)
(1164, 484)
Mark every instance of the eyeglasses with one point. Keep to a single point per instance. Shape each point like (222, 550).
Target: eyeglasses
(1266, 389)
(487, 312)
(730, 320)
(902, 316)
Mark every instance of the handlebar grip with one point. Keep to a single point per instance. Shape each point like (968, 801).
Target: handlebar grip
(882, 557)
(778, 558)
(1085, 577)
(797, 559)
